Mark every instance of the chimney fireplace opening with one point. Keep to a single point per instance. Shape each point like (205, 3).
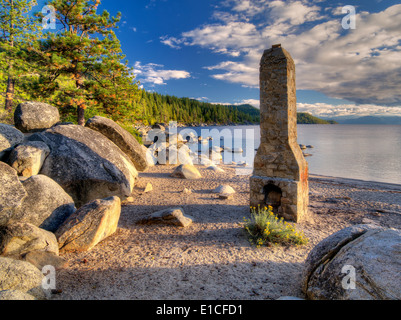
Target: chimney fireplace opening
(273, 195)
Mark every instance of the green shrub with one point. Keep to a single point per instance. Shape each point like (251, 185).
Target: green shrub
(265, 228)
(6, 117)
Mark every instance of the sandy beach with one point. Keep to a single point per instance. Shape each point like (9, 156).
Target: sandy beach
(213, 259)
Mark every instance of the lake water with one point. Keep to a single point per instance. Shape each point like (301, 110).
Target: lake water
(364, 152)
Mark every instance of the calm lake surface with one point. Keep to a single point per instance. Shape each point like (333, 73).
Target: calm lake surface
(364, 152)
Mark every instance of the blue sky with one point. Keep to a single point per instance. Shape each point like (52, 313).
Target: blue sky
(210, 50)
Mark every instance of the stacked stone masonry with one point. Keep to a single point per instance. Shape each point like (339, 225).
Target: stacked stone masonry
(280, 177)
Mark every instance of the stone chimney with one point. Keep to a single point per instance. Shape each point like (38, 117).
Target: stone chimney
(280, 177)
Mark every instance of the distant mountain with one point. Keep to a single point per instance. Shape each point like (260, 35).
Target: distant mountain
(154, 108)
(372, 120)
(302, 118)
(248, 109)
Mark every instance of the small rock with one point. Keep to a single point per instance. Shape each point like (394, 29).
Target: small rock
(27, 158)
(174, 216)
(187, 191)
(237, 150)
(186, 171)
(217, 149)
(128, 200)
(148, 188)
(215, 168)
(224, 189)
(9, 138)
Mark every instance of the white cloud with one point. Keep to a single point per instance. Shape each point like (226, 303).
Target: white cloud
(200, 98)
(248, 7)
(361, 65)
(236, 72)
(294, 12)
(253, 102)
(231, 38)
(155, 74)
(171, 42)
(324, 110)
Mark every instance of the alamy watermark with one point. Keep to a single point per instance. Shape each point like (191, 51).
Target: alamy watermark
(349, 21)
(49, 279)
(49, 20)
(349, 281)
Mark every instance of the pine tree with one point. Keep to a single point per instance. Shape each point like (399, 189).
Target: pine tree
(17, 31)
(82, 63)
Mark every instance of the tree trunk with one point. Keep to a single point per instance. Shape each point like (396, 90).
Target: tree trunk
(81, 115)
(9, 94)
(80, 107)
(10, 82)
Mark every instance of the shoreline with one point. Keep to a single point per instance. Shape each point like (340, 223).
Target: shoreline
(213, 259)
(358, 182)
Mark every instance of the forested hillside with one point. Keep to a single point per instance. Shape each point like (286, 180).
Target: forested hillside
(306, 118)
(154, 107)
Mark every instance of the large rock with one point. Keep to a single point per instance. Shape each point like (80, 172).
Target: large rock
(186, 171)
(9, 137)
(89, 225)
(18, 239)
(47, 205)
(122, 138)
(21, 276)
(12, 193)
(371, 252)
(35, 116)
(15, 295)
(86, 164)
(27, 158)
